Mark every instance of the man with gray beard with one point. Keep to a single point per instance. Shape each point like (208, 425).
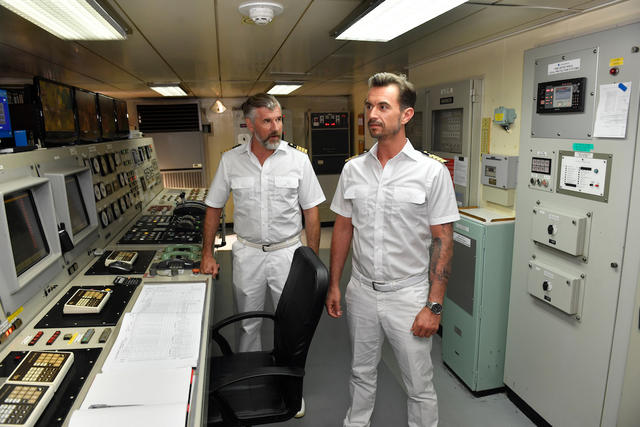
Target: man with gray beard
(273, 185)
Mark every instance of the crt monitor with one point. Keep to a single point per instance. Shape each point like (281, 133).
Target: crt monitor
(107, 117)
(5, 120)
(122, 117)
(28, 242)
(57, 108)
(75, 202)
(87, 112)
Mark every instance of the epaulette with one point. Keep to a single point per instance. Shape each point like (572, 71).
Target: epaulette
(229, 149)
(356, 155)
(434, 157)
(292, 145)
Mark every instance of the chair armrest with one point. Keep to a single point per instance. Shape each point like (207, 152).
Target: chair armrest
(221, 341)
(264, 371)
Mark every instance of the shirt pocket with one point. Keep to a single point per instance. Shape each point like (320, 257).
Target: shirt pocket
(361, 202)
(410, 206)
(285, 191)
(243, 188)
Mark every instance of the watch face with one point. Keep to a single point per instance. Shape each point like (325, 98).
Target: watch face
(435, 307)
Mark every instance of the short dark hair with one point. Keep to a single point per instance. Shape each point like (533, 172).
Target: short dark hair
(407, 95)
(257, 101)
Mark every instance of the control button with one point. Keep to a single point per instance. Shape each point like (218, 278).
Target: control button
(532, 181)
(87, 336)
(614, 71)
(545, 183)
(35, 339)
(104, 335)
(538, 181)
(53, 337)
(546, 286)
(551, 229)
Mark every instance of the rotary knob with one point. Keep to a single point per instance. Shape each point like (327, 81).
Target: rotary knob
(546, 286)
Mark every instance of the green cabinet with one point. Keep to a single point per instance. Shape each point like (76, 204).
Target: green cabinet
(476, 306)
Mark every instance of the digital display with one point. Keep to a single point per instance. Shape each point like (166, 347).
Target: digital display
(562, 96)
(77, 210)
(122, 116)
(88, 123)
(447, 131)
(108, 117)
(541, 165)
(28, 243)
(5, 120)
(57, 107)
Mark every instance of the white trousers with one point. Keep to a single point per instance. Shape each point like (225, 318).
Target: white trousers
(253, 272)
(372, 315)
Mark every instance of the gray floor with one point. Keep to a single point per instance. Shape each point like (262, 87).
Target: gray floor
(326, 388)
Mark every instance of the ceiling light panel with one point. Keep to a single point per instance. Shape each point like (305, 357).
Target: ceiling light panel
(284, 88)
(168, 90)
(391, 18)
(69, 19)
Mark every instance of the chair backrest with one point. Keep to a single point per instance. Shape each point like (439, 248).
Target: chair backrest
(299, 308)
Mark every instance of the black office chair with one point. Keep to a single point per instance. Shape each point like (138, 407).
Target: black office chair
(266, 386)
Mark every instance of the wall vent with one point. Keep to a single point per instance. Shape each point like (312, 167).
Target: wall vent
(168, 118)
(191, 178)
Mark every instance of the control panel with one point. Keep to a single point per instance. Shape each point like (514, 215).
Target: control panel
(540, 175)
(554, 286)
(555, 229)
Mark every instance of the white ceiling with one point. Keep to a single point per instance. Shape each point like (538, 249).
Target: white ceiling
(206, 45)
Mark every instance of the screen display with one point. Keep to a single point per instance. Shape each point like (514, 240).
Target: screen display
(447, 131)
(122, 116)
(88, 123)
(541, 165)
(5, 121)
(57, 107)
(77, 210)
(107, 113)
(562, 96)
(28, 243)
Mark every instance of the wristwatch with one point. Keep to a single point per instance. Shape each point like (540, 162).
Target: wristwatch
(435, 307)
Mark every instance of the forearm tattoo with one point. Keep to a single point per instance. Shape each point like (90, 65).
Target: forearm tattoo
(440, 259)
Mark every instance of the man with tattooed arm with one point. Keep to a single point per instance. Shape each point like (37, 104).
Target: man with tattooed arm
(396, 205)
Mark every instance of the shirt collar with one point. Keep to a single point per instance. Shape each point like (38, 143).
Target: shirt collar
(247, 146)
(408, 150)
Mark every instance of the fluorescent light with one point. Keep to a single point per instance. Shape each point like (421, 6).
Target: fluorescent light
(69, 19)
(172, 89)
(284, 88)
(386, 20)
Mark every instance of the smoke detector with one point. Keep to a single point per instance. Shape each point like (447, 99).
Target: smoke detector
(260, 12)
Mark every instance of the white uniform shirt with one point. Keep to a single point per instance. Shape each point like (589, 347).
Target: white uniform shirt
(267, 198)
(392, 209)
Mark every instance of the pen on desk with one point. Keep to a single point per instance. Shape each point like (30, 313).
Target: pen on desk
(104, 405)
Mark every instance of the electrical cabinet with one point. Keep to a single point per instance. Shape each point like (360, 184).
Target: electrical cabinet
(476, 306)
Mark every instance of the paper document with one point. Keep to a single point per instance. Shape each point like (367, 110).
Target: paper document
(460, 171)
(174, 415)
(167, 340)
(613, 109)
(171, 298)
(139, 387)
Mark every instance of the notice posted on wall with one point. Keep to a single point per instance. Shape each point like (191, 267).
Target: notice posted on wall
(460, 171)
(613, 110)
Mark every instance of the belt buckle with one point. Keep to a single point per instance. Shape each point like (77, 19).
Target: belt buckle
(373, 285)
(265, 247)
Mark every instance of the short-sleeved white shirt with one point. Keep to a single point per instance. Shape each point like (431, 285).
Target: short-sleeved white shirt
(392, 209)
(266, 198)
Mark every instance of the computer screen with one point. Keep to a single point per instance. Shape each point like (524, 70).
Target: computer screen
(108, 117)
(28, 242)
(59, 123)
(88, 124)
(77, 209)
(122, 116)
(5, 120)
